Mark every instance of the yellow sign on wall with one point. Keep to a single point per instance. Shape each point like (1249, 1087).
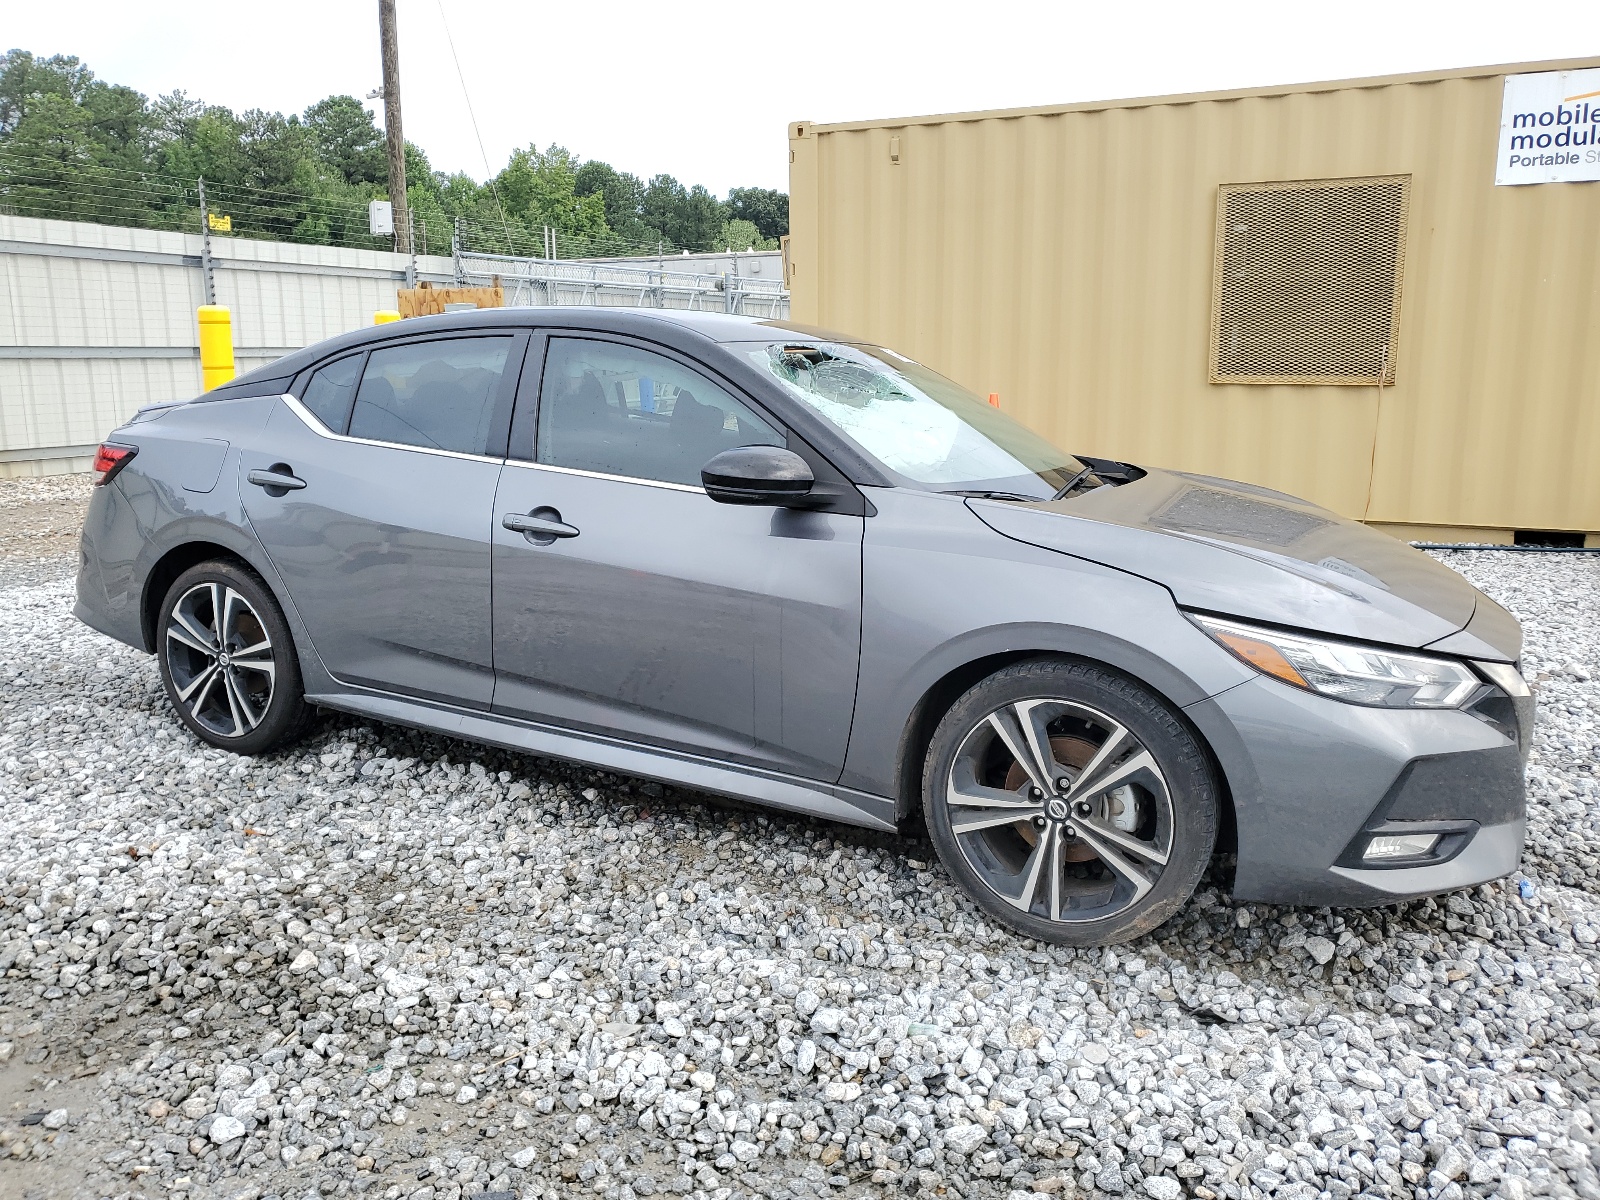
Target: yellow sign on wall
(219, 224)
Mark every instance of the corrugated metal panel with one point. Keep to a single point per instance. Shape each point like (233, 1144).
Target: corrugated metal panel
(1063, 257)
(73, 402)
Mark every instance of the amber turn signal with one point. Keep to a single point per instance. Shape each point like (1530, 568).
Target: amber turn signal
(1263, 656)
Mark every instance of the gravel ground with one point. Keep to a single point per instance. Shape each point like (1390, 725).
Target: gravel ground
(395, 964)
(39, 524)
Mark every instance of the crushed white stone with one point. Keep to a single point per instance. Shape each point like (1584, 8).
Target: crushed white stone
(390, 963)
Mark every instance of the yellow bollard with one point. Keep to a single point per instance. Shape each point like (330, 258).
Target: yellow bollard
(216, 345)
(384, 315)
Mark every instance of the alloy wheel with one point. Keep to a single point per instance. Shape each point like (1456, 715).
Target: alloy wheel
(220, 658)
(1060, 810)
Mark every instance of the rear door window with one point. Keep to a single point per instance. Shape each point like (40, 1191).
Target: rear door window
(619, 410)
(440, 394)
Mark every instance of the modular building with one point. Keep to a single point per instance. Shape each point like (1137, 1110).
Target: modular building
(1381, 294)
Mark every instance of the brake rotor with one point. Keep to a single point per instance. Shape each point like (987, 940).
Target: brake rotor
(1069, 751)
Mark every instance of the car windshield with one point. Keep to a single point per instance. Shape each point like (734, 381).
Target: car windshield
(916, 422)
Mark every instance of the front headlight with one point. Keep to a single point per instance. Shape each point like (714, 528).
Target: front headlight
(1345, 670)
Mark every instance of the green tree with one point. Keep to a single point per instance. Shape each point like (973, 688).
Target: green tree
(691, 218)
(347, 139)
(743, 235)
(702, 219)
(77, 147)
(48, 167)
(623, 193)
(765, 208)
(664, 200)
(25, 78)
(539, 188)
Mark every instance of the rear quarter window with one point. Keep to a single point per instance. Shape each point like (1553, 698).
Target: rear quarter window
(331, 390)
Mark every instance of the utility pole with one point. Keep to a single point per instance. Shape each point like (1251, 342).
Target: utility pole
(391, 125)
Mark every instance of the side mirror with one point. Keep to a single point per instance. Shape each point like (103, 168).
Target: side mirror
(757, 475)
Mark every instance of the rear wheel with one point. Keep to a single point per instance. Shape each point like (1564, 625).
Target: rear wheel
(227, 660)
(1070, 803)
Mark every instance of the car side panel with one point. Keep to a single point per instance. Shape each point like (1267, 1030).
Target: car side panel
(941, 589)
(145, 513)
(386, 552)
(673, 620)
(149, 494)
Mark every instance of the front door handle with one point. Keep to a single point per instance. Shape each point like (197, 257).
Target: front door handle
(277, 479)
(541, 526)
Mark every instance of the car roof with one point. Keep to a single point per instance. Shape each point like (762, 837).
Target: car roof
(645, 322)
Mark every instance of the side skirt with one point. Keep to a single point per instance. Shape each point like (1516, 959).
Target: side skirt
(777, 791)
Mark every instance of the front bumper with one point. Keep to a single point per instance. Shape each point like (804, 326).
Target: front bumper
(1493, 851)
(1312, 778)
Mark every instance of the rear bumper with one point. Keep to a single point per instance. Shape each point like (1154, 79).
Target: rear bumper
(107, 598)
(1312, 779)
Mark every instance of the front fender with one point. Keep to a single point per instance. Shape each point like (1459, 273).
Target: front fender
(941, 590)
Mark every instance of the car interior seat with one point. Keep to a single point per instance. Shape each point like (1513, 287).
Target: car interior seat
(697, 431)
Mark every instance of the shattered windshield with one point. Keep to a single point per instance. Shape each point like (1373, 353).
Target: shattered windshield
(916, 422)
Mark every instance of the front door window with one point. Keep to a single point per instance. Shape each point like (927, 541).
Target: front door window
(619, 410)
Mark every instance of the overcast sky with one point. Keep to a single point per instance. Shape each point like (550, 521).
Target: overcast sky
(705, 91)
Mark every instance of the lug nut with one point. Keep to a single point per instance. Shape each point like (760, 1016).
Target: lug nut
(1069, 831)
(1063, 784)
(1083, 808)
(1039, 821)
(1035, 793)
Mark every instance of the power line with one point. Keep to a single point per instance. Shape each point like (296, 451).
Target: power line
(119, 197)
(465, 95)
(174, 199)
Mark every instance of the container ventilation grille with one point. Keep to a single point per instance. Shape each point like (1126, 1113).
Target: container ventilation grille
(1306, 288)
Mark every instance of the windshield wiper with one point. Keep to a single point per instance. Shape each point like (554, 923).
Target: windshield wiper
(986, 494)
(1073, 482)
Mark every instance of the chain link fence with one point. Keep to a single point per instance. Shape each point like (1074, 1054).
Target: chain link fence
(616, 285)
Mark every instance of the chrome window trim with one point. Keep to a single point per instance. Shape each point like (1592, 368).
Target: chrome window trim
(658, 483)
(309, 419)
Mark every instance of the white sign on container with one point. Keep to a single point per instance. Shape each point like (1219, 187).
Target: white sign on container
(380, 217)
(1550, 128)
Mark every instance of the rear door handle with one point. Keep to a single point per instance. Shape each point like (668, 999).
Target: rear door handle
(542, 525)
(279, 477)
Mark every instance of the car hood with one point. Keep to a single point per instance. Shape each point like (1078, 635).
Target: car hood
(1250, 552)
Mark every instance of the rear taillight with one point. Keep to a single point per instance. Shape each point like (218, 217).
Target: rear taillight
(109, 459)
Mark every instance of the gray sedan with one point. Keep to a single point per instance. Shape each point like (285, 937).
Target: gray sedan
(802, 569)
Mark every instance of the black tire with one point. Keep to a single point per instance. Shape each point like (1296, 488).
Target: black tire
(1080, 864)
(240, 690)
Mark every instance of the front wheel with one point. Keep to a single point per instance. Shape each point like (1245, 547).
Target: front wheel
(227, 660)
(1070, 803)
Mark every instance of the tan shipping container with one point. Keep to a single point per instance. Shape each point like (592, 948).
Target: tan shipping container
(1068, 259)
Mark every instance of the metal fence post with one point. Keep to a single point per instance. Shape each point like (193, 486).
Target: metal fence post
(208, 280)
(411, 241)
